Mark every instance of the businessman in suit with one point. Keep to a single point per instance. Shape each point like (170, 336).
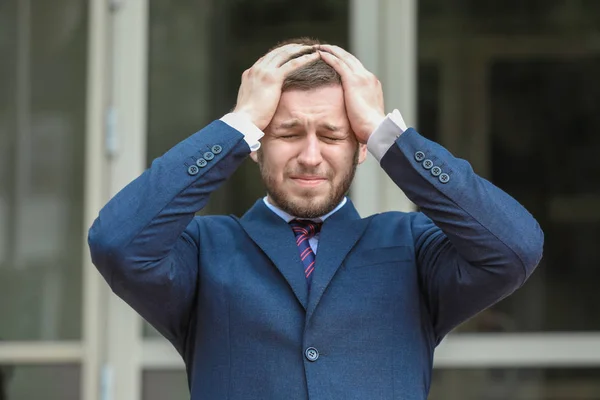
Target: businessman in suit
(301, 298)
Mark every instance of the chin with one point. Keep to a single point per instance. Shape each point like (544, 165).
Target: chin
(309, 206)
(304, 202)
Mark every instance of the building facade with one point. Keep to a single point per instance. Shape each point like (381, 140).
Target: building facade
(92, 90)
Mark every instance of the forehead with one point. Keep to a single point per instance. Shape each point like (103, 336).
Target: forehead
(320, 103)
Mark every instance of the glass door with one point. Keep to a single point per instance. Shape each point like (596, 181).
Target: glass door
(511, 86)
(49, 191)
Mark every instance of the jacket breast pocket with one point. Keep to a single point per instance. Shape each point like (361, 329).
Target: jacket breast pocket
(380, 255)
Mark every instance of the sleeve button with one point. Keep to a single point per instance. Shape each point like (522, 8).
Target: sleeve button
(193, 170)
(444, 178)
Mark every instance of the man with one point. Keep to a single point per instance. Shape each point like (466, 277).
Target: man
(251, 309)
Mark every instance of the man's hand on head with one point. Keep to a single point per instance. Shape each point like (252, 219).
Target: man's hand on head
(363, 94)
(261, 85)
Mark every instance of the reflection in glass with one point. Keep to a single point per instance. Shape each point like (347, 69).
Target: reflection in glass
(50, 382)
(42, 121)
(515, 384)
(558, 141)
(518, 96)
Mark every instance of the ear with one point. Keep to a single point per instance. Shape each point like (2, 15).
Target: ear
(362, 153)
(254, 156)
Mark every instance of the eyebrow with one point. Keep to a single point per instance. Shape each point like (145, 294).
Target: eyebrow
(288, 124)
(330, 127)
(294, 123)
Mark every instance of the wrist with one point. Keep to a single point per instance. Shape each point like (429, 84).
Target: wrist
(373, 124)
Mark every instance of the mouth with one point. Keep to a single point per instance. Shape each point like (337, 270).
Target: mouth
(308, 181)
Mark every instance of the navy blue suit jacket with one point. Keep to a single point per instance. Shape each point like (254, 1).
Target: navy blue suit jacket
(230, 293)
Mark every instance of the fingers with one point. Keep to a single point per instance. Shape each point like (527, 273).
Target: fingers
(336, 63)
(294, 55)
(283, 54)
(298, 62)
(353, 63)
(265, 59)
(283, 60)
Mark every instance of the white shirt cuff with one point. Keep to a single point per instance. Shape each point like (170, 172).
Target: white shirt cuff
(242, 124)
(386, 134)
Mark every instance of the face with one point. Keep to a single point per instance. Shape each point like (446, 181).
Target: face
(309, 154)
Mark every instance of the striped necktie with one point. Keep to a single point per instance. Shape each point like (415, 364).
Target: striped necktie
(304, 230)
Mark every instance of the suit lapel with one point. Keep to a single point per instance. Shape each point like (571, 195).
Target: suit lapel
(339, 234)
(275, 237)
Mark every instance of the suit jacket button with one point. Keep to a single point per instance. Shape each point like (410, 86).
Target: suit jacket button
(419, 156)
(208, 156)
(444, 178)
(201, 162)
(427, 164)
(193, 170)
(436, 171)
(216, 149)
(311, 354)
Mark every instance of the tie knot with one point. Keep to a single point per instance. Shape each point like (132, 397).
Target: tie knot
(305, 227)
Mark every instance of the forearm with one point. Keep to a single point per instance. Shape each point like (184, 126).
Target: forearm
(484, 223)
(474, 244)
(149, 215)
(140, 243)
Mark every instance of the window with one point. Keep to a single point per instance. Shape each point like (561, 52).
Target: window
(518, 93)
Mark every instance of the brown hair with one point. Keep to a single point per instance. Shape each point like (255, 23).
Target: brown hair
(310, 76)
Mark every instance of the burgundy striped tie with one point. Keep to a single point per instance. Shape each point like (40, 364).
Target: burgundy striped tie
(304, 230)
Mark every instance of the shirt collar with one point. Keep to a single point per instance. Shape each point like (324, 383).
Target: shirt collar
(287, 217)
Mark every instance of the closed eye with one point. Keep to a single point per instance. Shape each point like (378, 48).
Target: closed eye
(332, 138)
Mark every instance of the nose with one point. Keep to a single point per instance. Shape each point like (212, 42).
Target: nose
(310, 154)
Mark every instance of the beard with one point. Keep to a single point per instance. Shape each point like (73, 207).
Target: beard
(308, 206)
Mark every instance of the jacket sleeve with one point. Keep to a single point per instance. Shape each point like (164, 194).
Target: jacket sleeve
(474, 243)
(145, 241)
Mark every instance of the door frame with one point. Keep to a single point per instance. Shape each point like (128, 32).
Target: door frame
(127, 353)
(86, 352)
(125, 157)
